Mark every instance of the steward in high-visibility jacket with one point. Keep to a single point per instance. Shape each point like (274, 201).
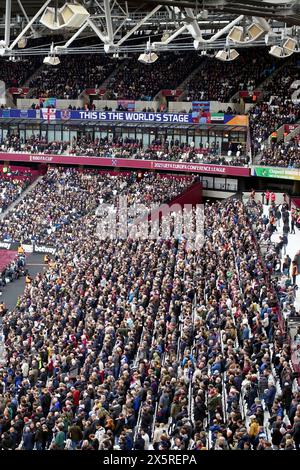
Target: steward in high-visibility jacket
(20, 250)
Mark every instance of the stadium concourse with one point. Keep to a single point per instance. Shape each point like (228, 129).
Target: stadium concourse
(185, 119)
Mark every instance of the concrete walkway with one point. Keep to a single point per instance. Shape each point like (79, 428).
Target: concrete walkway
(12, 291)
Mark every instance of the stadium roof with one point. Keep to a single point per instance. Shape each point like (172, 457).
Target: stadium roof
(127, 26)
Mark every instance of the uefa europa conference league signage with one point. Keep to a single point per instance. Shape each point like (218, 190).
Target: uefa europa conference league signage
(127, 163)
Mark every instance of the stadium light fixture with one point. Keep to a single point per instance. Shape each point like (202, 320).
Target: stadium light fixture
(148, 57)
(227, 54)
(288, 47)
(22, 43)
(13, 58)
(291, 45)
(279, 52)
(51, 60)
(242, 35)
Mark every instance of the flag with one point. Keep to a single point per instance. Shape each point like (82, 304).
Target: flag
(48, 113)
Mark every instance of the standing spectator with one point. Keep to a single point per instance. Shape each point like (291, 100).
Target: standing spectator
(297, 260)
(273, 197)
(294, 272)
(296, 432)
(284, 242)
(293, 221)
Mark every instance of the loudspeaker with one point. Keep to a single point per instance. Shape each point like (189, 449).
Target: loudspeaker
(48, 19)
(74, 15)
(71, 16)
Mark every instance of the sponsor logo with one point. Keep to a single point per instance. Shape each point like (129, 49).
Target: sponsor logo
(23, 113)
(28, 248)
(191, 167)
(65, 114)
(5, 245)
(40, 158)
(44, 249)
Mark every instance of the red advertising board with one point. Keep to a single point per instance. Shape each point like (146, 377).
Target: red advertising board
(290, 127)
(246, 93)
(171, 92)
(127, 163)
(95, 91)
(18, 91)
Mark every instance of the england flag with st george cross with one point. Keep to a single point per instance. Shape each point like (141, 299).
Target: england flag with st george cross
(48, 114)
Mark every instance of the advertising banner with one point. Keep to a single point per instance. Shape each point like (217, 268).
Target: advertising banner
(127, 104)
(290, 127)
(127, 163)
(276, 172)
(200, 106)
(171, 92)
(18, 91)
(126, 116)
(214, 117)
(95, 91)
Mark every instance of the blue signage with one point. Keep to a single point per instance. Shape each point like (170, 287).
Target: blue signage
(51, 114)
(66, 114)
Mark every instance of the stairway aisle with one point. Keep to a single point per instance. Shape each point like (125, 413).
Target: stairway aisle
(292, 248)
(12, 291)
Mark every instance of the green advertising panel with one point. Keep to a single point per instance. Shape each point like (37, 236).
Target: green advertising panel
(275, 172)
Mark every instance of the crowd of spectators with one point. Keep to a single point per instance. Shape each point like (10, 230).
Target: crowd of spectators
(276, 108)
(284, 154)
(33, 144)
(136, 343)
(72, 76)
(135, 81)
(11, 188)
(169, 150)
(62, 198)
(15, 74)
(219, 81)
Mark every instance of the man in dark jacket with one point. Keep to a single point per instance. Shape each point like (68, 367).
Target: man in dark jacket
(296, 432)
(75, 434)
(269, 396)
